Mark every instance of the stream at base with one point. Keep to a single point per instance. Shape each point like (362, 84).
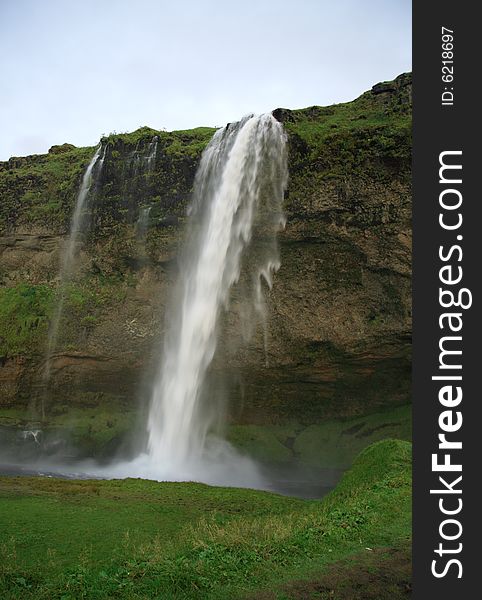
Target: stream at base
(299, 481)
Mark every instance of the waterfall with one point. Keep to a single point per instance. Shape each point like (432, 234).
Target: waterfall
(242, 171)
(151, 154)
(238, 190)
(142, 227)
(144, 160)
(142, 224)
(90, 177)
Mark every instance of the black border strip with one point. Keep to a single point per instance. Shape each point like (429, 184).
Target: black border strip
(437, 129)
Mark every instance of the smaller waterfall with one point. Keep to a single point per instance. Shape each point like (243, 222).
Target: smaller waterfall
(143, 223)
(151, 154)
(79, 215)
(135, 159)
(142, 227)
(32, 435)
(265, 274)
(89, 179)
(144, 160)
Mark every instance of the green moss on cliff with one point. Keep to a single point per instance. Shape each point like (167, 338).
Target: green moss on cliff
(347, 145)
(316, 125)
(24, 312)
(188, 142)
(41, 188)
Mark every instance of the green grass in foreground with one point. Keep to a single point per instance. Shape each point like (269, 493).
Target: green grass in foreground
(138, 539)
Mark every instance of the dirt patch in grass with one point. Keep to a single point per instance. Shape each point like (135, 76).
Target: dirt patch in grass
(383, 573)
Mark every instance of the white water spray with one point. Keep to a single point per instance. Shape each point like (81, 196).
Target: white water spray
(89, 179)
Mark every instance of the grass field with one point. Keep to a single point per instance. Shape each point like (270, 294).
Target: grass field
(139, 539)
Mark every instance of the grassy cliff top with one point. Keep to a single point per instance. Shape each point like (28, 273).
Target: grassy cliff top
(387, 104)
(366, 139)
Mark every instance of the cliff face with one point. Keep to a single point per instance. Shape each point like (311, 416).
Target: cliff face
(339, 310)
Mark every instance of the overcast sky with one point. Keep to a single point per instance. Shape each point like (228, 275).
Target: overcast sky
(72, 70)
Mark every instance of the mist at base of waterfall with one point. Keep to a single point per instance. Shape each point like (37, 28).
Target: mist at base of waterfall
(32, 452)
(219, 464)
(225, 467)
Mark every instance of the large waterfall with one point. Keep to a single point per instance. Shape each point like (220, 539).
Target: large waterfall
(67, 264)
(239, 187)
(243, 166)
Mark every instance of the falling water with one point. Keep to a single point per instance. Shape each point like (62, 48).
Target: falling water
(151, 154)
(32, 434)
(144, 160)
(142, 227)
(143, 223)
(243, 165)
(239, 188)
(91, 175)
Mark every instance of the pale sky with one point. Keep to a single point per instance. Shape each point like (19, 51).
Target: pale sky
(73, 70)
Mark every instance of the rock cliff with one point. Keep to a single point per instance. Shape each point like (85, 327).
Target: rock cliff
(338, 334)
